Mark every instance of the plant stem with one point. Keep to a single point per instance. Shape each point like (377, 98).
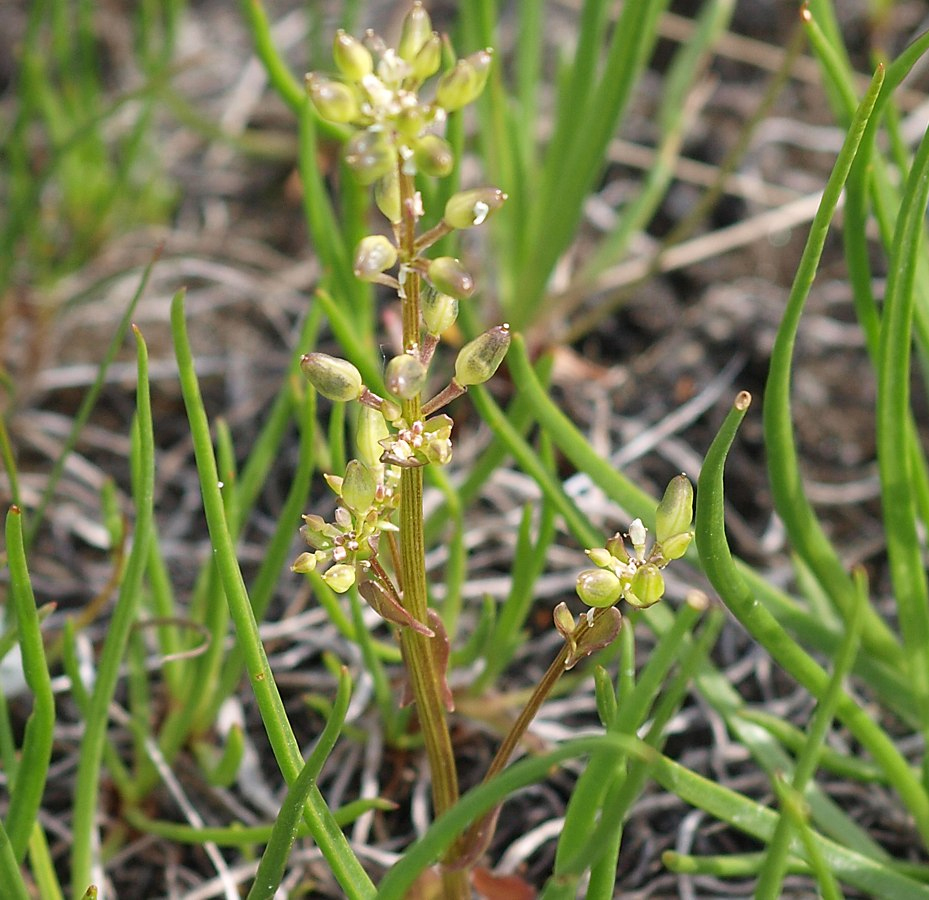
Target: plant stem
(478, 836)
(419, 651)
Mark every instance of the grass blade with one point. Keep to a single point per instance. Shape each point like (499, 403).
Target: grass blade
(124, 614)
(332, 842)
(29, 782)
(732, 588)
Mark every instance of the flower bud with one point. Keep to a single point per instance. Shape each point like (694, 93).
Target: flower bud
(370, 155)
(351, 56)
(415, 31)
(358, 486)
(439, 311)
(335, 379)
(564, 620)
(304, 563)
(433, 156)
(479, 359)
(373, 255)
(371, 430)
(447, 275)
(598, 587)
(387, 195)
(405, 376)
(647, 586)
(340, 577)
(469, 208)
(565, 625)
(429, 58)
(333, 100)
(637, 533)
(392, 69)
(464, 83)
(438, 439)
(676, 510)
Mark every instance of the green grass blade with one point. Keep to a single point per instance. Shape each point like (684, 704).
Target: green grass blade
(87, 403)
(282, 79)
(333, 844)
(771, 876)
(274, 860)
(27, 787)
(124, 615)
(732, 588)
(790, 500)
(9, 869)
(875, 879)
(569, 175)
(907, 567)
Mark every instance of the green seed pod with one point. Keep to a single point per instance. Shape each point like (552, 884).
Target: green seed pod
(448, 276)
(304, 563)
(371, 430)
(373, 255)
(675, 546)
(479, 359)
(439, 311)
(351, 56)
(469, 208)
(415, 31)
(358, 486)
(340, 577)
(617, 548)
(598, 587)
(411, 120)
(647, 586)
(387, 195)
(370, 155)
(429, 58)
(334, 101)
(464, 83)
(334, 378)
(676, 510)
(600, 556)
(433, 156)
(405, 376)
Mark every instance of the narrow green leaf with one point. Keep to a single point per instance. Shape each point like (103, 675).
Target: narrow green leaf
(732, 588)
(326, 832)
(29, 782)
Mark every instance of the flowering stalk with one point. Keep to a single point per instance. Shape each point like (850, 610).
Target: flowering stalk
(394, 139)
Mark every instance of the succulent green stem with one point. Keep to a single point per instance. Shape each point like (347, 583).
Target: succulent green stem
(419, 651)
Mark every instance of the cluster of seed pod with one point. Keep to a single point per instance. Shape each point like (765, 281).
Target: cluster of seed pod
(377, 93)
(636, 576)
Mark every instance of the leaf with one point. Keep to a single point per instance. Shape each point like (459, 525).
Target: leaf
(602, 633)
(389, 607)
